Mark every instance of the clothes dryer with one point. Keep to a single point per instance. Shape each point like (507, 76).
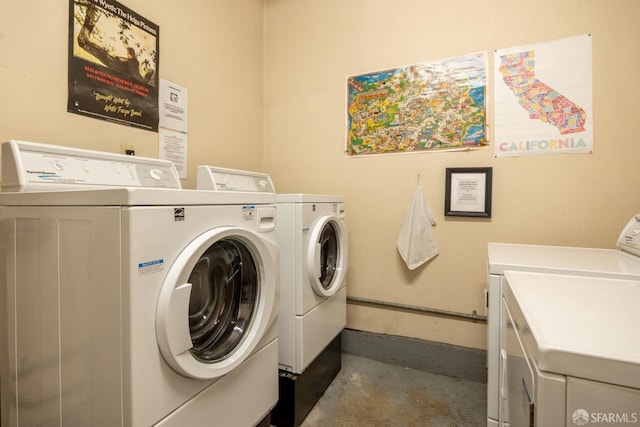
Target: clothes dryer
(621, 263)
(129, 301)
(572, 353)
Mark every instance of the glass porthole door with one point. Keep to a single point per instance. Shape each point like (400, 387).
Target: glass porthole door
(223, 300)
(216, 302)
(327, 257)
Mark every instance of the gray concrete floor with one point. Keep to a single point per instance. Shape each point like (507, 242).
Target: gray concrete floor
(371, 393)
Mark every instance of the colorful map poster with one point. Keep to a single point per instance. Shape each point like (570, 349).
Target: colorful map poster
(543, 98)
(421, 107)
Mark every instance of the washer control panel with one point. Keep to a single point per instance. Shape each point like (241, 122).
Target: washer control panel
(223, 179)
(629, 240)
(30, 166)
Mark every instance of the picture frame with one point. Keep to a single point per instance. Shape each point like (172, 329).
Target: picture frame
(468, 192)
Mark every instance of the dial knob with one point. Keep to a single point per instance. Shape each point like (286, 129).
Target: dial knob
(156, 174)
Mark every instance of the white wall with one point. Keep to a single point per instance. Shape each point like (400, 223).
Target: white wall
(580, 200)
(296, 131)
(212, 47)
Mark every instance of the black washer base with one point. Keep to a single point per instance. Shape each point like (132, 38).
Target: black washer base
(298, 393)
(266, 421)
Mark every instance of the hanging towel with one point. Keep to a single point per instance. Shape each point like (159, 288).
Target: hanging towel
(415, 242)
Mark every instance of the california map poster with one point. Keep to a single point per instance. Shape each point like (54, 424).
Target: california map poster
(543, 98)
(423, 107)
(113, 64)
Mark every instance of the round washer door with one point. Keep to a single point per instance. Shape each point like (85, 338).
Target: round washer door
(217, 301)
(327, 255)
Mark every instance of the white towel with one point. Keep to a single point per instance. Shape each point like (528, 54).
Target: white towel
(415, 242)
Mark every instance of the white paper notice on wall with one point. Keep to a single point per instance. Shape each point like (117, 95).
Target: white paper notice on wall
(416, 242)
(174, 124)
(173, 146)
(174, 106)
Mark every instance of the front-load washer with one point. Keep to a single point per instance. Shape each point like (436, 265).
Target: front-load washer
(313, 267)
(126, 300)
(572, 353)
(622, 263)
(313, 240)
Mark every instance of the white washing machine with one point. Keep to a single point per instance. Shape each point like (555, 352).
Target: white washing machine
(572, 351)
(313, 240)
(313, 248)
(621, 263)
(312, 235)
(128, 301)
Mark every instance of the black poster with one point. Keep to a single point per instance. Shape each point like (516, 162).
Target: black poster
(113, 64)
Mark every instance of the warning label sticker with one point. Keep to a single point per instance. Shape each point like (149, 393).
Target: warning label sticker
(248, 212)
(150, 267)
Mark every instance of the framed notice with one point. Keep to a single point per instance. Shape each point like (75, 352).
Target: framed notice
(468, 192)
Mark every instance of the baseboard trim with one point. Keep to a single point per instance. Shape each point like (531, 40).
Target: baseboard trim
(444, 359)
